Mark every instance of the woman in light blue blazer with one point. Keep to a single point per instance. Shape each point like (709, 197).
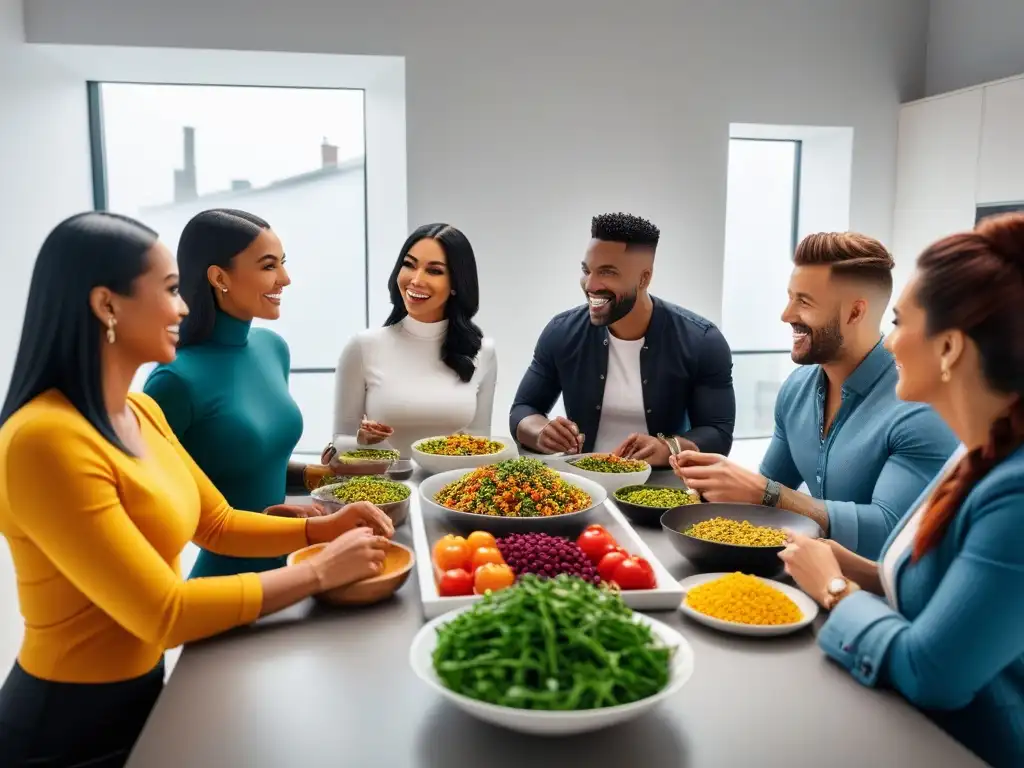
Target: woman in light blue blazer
(940, 616)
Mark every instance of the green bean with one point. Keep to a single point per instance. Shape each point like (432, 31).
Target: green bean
(555, 644)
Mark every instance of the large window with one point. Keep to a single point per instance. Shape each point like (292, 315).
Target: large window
(762, 210)
(294, 156)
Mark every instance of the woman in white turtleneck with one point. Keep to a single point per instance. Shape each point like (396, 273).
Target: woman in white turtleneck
(429, 370)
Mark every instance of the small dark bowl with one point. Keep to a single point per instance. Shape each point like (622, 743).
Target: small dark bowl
(401, 470)
(638, 513)
(711, 556)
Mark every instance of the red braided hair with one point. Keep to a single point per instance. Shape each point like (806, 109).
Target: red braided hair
(974, 282)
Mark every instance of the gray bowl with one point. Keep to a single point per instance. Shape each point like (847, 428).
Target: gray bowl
(712, 556)
(402, 469)
(640, 513)
(398, 511)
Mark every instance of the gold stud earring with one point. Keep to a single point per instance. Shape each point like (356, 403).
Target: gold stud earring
(111, 336)
(946, 376)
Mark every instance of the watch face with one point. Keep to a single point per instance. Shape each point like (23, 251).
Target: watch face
(836, 586)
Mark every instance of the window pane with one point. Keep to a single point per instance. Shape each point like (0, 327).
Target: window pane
(293, 156)
(759, 232)
(757, 378)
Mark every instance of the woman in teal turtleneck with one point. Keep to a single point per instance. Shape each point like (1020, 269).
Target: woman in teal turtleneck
(226, 394)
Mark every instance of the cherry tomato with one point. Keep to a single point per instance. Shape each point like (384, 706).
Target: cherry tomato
(445, 540)
(606, 568)
(596, 543)
(453, 555)
(479, 539)
(596, 527)
(486, 555)
(493, 576)
(634, 573)
(455, 583)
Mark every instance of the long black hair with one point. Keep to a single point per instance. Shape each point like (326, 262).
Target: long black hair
(463, 338)
(61, 335)
(211, 238)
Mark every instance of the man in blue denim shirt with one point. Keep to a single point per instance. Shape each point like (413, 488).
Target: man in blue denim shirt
(627, 364)
(864, 454)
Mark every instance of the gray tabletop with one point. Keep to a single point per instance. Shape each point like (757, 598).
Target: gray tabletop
(316, 687)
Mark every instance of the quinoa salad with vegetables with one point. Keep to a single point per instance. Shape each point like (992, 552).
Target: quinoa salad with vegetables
(460, 445)
(606, 462)
(371, 488)
(522, 487)
(739, 533)
(661, 498)
(370, 454)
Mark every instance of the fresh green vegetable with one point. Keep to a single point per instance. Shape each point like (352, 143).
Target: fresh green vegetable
(609, 463)
(371, 488)
(663, 498)
(553, 644)
(379, 454)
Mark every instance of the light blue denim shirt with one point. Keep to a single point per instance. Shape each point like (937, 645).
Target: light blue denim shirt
(954, 643)
(875, 460)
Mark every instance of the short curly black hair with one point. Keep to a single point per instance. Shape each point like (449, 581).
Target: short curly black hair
(625, 228)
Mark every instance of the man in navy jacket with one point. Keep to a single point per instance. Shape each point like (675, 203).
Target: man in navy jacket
(629, 366)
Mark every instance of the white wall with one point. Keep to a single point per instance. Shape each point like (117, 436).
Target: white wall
(972, 42)
(527, 118)
(955, 151)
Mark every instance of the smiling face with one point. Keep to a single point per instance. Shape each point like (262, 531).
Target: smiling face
(918, 357)
(254, 281)
(613, 278)
(148, 320)
(424, 281)
(814, 311)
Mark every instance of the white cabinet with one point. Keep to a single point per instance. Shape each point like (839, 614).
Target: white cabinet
(1001, 160)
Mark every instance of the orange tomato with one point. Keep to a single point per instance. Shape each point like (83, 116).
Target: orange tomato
(480, 539)
(493, 576)
(453, 556)
(446, 540)
(486, 555)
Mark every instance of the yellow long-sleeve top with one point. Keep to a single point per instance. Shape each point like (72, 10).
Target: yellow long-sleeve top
(96, 536)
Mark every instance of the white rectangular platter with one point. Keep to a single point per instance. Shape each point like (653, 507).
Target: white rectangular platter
(428, 527)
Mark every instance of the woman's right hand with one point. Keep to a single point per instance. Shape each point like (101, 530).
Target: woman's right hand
(373, 432)
(353, 556)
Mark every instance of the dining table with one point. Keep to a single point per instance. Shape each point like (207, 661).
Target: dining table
(315, 686)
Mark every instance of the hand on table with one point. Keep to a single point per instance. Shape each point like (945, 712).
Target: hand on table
(647, 448)
(811, 563)
(560, 436)
(373, 432)
(717, 478)
(351, 557)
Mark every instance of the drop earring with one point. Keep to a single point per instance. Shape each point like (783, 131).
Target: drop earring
(111, 336)
(945, 375)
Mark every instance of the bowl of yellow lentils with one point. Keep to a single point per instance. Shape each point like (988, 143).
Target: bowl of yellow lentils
(444, 453)
(729, 537)
(390, 496)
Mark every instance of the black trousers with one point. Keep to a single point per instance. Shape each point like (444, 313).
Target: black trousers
(44, 724)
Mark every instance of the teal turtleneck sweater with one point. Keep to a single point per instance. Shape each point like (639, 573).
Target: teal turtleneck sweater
(228, 402)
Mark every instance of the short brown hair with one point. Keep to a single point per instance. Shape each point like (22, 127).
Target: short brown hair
(850, 255)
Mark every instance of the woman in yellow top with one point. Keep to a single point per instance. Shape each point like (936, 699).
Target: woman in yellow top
(98, 498)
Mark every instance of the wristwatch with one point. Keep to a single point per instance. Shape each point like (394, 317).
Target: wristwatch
(772, 493)
(835, 591)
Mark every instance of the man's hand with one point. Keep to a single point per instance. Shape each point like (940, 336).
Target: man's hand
(560, 436)
(647, 448)
(718, 479)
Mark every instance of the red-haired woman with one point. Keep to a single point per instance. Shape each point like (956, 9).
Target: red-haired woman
(940, 616)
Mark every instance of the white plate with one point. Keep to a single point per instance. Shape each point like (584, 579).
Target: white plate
(433, 464)
(807, 606)
(610, 481)
(542, 722)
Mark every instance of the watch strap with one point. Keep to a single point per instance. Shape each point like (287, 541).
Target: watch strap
(772, 493)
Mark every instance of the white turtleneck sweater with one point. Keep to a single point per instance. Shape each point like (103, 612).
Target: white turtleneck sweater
(394, 375)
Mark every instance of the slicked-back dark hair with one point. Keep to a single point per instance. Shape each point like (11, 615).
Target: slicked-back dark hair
(61, 335)
(463, 338)
(850, 255)
(211, 238)
(625, 228)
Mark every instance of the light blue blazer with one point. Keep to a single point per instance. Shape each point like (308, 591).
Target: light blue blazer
(955, 648)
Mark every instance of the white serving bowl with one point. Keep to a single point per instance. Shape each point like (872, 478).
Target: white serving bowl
(544, 722)
(610, 481)
(807, 607)
(500, 526)
(432, 463)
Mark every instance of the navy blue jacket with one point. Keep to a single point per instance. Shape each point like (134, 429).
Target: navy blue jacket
(685, 365)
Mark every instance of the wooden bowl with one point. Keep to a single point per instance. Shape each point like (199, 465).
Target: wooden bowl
(398, 564)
